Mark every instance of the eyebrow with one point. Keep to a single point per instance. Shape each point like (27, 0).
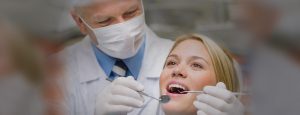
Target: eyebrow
(133, 8)
(173, 55)
(197, 57)
(98, 17)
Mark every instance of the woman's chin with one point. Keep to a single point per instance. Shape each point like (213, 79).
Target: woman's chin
(179, 107)
(172, 108)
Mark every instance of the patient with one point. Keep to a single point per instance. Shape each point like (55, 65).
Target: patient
(196, 63)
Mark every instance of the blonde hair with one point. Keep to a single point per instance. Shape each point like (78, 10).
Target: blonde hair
(222, 61)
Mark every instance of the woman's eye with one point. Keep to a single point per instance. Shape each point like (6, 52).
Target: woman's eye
(196, 65)
(170, 63)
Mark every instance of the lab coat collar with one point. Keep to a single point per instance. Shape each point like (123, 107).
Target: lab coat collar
(105, 62)
(155, 55)
(89, 69)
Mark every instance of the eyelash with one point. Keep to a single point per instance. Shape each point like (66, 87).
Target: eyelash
(197, 65)
(105, 21)
(169, 63)
(131, 12)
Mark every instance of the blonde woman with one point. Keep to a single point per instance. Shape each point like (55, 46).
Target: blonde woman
(196, 63)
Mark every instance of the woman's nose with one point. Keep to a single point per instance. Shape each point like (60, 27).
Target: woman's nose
(179, 72)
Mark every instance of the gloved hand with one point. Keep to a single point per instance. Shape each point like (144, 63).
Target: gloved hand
(217, 100)
(120, 97)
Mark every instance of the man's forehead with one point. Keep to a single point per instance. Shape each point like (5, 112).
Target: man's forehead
(90, 2)
(107, 8)
(85, 2)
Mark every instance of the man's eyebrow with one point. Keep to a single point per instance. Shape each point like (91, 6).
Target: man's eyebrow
(132, 8)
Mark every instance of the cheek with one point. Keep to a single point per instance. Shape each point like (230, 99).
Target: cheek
(164, 78)
(201, 79)
(165, 75)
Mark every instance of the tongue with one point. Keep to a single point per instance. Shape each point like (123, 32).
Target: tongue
(176, 90)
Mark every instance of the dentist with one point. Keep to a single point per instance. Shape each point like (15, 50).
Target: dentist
(118, 44)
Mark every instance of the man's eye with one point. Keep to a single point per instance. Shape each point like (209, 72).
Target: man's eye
(104, 21)
(131, 12)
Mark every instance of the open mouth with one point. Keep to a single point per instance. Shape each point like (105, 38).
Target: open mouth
(176, 88)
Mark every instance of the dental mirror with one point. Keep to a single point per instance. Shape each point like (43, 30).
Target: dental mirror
(164, 99)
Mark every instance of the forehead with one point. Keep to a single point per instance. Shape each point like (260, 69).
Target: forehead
(106, 6)
(191, 47)
(91, 2)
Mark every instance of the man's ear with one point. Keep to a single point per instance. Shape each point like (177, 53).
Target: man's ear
(79, 22)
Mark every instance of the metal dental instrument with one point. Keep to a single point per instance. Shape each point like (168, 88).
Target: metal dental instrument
(162, 99)
(234, 93)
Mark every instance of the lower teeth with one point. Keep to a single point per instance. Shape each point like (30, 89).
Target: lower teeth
(176, 90)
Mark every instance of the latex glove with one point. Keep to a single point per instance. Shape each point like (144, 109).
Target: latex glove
(120, 97)
(217, 100)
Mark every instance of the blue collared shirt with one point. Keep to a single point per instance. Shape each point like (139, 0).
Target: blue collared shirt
(133, 64)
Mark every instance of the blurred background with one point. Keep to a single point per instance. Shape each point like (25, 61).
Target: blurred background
(168, 18)
(238, 25)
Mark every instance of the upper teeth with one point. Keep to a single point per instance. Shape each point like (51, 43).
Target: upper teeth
(177, 86)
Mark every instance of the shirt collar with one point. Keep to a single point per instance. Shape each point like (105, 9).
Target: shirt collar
(133, 64)
(106, 62)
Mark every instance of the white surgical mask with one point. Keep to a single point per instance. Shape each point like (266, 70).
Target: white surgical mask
(122, 40)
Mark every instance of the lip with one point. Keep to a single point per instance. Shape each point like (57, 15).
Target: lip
(174, 94)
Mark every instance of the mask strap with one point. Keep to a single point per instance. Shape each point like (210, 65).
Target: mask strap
(143, 8)
(85, 23)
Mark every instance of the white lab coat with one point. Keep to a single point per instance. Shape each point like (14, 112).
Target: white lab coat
(85, 78)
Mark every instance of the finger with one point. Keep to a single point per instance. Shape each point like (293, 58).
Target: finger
(221, 85)
(125, 91)
(206, 108)
(130, 83)
(119, 109)
(126, 101)
(199, 112)
(130, 77)
(212, 101)
(221, 93)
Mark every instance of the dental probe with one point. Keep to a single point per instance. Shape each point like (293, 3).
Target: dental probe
(162, 99)
(234, 93)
